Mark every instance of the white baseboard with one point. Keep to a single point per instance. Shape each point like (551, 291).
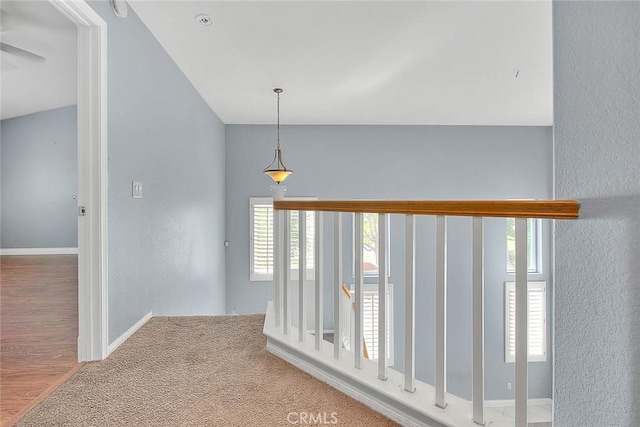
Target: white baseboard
(39, 251)
(335, 382)
(512, 402)
(132, 330)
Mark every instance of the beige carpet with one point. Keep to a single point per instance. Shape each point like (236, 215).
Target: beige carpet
(202, 371)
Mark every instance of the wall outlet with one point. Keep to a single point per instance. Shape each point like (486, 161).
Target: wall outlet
(136, 190)
(508, 386)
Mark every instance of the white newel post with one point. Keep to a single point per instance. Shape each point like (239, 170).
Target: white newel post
(277, 267)
(277, 193)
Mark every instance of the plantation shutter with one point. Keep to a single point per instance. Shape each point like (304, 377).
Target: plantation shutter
(370, 322)
(537, 326)
(537, 321)
(370, 303)
(262, 239)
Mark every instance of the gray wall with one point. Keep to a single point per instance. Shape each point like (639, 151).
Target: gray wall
(38, 178)
(597, 158)
(349, 162)
(166, 250)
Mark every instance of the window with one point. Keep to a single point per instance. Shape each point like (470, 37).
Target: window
(533, 239)
(537, 321)
(310, 243)
(369, 320)
(370, 244)
(261, 240)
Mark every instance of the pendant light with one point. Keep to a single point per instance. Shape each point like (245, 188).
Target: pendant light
(277, 170)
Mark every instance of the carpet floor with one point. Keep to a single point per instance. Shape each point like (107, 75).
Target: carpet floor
(197, 371)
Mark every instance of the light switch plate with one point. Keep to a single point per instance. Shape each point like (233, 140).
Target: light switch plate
(136, 190)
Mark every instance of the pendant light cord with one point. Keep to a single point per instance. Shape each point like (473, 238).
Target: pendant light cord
(278, 120)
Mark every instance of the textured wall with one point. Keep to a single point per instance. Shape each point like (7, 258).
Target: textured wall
(166, 250)
(39, 180)
(597, 160)
(425, 162)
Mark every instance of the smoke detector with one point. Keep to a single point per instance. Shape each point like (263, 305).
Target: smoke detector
(203, 19)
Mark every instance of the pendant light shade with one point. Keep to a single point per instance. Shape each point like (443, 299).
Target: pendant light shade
(277, 170)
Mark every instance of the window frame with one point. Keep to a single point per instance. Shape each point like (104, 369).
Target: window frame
(253, 276)
(535, 249)
(268, 277)
(368, 275)
(508, 287)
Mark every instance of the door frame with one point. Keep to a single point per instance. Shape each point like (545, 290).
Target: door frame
(93, 333)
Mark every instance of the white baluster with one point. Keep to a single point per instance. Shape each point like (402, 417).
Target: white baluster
(522, 318)
(318, 265)
(302, 267)
(478, 321)
(441, 311)
(286, 270)
(277, 267)
(409, 304)
(383, 250)
(357, 345)
(337, 282)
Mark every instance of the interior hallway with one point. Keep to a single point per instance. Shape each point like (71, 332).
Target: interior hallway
(38, 328)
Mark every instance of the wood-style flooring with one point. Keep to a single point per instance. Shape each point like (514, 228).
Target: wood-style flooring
(38, 328)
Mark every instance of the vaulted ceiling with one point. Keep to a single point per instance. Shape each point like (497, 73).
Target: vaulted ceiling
(30, 84)
(361, 62)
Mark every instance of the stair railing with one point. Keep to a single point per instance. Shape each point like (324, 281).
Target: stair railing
(521, 210)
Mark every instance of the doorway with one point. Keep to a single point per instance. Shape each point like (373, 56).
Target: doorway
(54, 295)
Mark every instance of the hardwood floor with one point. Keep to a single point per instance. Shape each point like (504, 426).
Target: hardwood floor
(38, 328)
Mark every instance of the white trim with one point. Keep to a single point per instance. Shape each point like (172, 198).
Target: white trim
(386, 397)
(535, 247)
(132, 330)
(38, 251)
(511, 402)
(379, 406)
(92, 178)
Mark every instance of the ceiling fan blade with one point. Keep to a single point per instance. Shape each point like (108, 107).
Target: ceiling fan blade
(5, 21)
(21, 52)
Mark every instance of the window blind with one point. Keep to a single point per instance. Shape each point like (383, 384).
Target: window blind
(261, 240)
(537, 325)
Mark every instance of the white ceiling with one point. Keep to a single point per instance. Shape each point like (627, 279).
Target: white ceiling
(29, 86)
(380, 62)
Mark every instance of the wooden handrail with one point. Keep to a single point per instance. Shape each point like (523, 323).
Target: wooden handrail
(346, 290)
(549, 209)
